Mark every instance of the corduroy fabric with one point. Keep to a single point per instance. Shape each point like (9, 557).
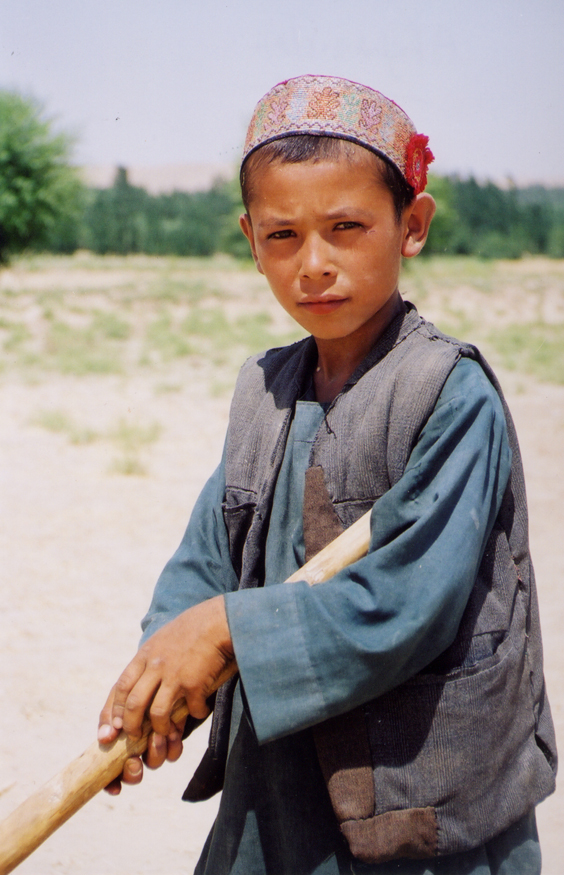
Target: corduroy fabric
(471, 737)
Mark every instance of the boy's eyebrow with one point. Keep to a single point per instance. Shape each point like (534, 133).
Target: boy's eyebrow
(339, 213)
(346, 212)
(274, 222)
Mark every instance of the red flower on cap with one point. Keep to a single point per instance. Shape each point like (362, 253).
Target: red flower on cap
(418, 158)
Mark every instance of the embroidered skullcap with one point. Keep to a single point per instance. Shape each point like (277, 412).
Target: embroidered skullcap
(333, 107)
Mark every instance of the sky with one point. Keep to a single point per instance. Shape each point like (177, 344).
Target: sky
(175, 81)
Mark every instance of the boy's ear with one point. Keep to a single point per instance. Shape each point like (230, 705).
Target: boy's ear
(418, 220)
(247, 229)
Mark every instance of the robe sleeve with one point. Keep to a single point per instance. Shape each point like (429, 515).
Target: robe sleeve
(307, 653)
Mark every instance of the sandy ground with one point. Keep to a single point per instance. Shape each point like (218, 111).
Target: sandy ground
(80, 551)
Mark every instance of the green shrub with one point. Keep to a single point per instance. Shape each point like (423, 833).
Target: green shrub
(40, 194)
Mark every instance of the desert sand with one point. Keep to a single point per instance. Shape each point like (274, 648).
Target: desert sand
(81, 546)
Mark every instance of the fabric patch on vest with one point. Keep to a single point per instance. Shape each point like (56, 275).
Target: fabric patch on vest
(411, 833)
(321, 523)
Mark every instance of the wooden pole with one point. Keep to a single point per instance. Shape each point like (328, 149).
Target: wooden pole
(46, 810)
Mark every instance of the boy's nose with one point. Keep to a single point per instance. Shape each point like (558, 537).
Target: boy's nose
(315, 259)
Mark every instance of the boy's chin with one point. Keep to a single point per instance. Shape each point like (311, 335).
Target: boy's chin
(344, 330)
(336, 335)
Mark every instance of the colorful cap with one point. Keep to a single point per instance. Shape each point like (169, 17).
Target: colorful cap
(333, 107)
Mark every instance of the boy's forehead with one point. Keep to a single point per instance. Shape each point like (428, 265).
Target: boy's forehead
(350, 161)
(336, 107)
(337, 185)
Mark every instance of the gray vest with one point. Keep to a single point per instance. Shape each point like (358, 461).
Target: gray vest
(465, 748)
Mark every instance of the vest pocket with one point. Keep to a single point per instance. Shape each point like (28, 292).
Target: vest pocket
(467, 657)
(463, 744)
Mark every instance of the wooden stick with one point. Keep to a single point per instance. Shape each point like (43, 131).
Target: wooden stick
(47, 809)
(349, 547)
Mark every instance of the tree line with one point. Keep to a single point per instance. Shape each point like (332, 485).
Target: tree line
(487, 220)
(45, 207)
(472, 218)
(126, 218)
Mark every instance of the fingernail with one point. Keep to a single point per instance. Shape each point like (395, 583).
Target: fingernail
(117, 723)
(158, 739)
(104, 732)
(174, 735)
(135, 768)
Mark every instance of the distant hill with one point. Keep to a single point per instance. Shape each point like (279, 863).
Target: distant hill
(161, 179)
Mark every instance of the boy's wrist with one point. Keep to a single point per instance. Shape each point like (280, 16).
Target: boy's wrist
(219, 627)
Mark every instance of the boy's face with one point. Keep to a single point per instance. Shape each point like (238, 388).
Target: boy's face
(326, 236)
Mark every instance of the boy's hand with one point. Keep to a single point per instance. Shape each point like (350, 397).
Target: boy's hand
(184, 659)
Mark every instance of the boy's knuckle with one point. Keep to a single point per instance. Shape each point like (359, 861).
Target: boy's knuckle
(123, 685)
(160, 712)
(154, 663)
(133, 703)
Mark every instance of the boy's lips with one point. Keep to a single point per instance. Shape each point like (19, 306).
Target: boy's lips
(319, 306)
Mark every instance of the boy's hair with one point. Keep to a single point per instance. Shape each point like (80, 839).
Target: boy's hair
(311, 147)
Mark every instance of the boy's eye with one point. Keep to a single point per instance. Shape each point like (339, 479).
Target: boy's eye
(345, 226)
(281, 235)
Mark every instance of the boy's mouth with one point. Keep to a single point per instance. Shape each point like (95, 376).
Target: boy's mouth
(320, 306)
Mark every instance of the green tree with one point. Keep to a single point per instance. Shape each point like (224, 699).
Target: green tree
(124, 219)
(39, 191)
(231, 238)
(116, 218)
(445, 222)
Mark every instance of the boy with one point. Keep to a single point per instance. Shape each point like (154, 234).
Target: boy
(392, 719)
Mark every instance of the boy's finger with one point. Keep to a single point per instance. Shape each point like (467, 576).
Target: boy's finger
(106, 712)
(114, 787)
(107, 733)
(156, 752)
(161, 709)
(122, 689)
(132, 771)
(174, 746)
(136, 704)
